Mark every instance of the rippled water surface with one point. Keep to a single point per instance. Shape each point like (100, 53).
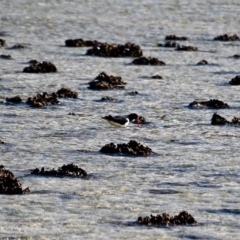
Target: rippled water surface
(195, 166)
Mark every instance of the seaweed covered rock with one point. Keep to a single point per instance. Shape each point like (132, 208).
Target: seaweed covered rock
(104, 82)
(2, 42)
(42, 67)
(79, 42)
(226, 37)
(212, 103)
(6, 57)
(132, 148)
(115, 50)
(235, 80)
(203, 62)
(66, 93)
(169, 44)
(186, 48)
(175, 38)
(15, 99)
(9, 184)
(164, 219)
(148, 61)
(219, 120)
(69, 170)
(43, 99)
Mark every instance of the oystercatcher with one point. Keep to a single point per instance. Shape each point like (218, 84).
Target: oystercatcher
(120, 121)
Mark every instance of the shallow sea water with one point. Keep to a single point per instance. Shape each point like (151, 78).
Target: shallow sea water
(195, 166)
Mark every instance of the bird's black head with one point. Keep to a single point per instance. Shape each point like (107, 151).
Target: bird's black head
(132, 116)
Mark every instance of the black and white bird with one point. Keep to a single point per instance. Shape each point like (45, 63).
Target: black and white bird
(120, 121)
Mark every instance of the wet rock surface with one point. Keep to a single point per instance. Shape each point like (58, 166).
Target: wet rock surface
(133, 93)
(219, 120)
(148, 61)
(15, 99)
(131, 148)
(235, 80)
(66, 93)
(175, 38)
(203, 62)
(79, 42)
(9, 184)
(69, 170)
(104, 82)
(226, 37)
(42, 67)
(164, 219)
(212, 103)
(5, 56)
(43, 99)
(237, 56)
(115, 50)
(108, 98)
(1, 142)
(186, 48)
(17, 46)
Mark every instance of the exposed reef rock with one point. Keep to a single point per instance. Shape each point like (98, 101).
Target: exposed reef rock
(15, 99)
(2, 42)
(186, 48)
(5, 56)
(203, 62)
(219, 120)
(17, 46)
(115, 50)
(9, 184)
(169, 44)
(148, 61)
(164, 219)
(175, 38)
(66, 93)
(43, 99)
(226, 37)
(131, 148)
(1, 142)
(69, 170)
(156, 77)
(237, 56)
(212, 103)
(105, 82)
(108, 98)
(42, 67)
(80, 43)
(235, 80)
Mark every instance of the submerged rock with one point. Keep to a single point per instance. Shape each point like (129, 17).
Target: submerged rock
(226, 37)
(132, 148)
(66, 93)
(17, 46)
(42, 67)
(212, 103)
(235, 80)
(15, 99)
(219, 120)
(156, 77)
(69, 170)
(164, 219)
(43, 99)
(9, 184)
(175, 38)
(104, 82)
(148, 61)
(115, 50)
(186, 48)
